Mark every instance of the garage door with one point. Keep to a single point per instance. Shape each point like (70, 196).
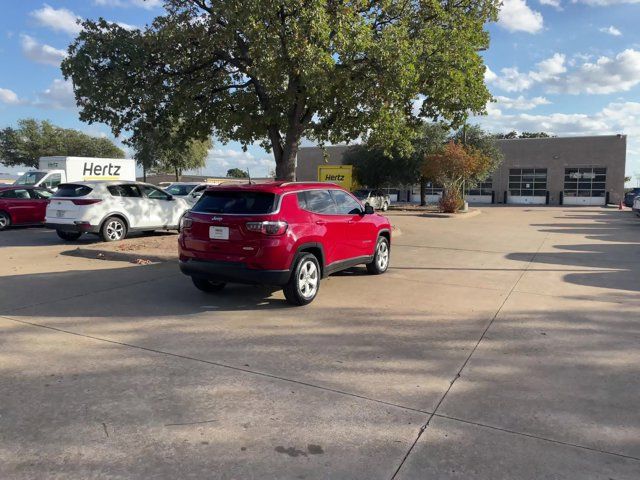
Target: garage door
(585, 186)
(527, 186)
(482, 193)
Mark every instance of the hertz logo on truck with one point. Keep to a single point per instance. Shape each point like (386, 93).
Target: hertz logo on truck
(93, 170)
(335, 178)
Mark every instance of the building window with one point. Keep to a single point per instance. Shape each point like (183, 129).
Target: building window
(585, 181)
(483, 188)
(528, 182)
(432, 189)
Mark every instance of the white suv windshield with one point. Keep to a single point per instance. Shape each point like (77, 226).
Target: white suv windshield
(30, 178)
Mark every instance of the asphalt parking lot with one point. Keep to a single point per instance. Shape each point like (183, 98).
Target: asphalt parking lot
(504, 345)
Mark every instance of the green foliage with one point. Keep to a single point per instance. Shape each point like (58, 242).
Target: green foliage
(513, 134)
(485, 143)
(237, 173)
(33, 139)
(373, 168)
(271, 71)
(167, 152)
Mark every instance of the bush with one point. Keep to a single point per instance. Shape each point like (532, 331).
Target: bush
(451, 201)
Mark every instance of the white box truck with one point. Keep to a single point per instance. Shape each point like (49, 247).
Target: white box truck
(53, 171)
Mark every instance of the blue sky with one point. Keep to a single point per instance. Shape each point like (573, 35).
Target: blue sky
(568, 67)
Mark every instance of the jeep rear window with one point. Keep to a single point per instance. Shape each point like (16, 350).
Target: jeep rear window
(238, 202)
(71, 190)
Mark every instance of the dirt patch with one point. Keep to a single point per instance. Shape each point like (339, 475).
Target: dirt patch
(141, 250)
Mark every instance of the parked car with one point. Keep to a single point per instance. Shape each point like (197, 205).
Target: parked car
(636, 205)
(377, 199)
(112, 209)
(630, 196)
(284, 234)
(188, 190)
(23, 205)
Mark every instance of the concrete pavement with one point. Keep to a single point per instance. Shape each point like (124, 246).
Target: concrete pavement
(512, 336)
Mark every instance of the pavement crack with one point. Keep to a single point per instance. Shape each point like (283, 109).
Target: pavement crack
(466, 361)
(189, 423)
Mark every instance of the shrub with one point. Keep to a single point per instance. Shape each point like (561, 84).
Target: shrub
(451, 201)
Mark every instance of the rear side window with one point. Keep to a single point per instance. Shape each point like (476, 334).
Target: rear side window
(124, 190)
(320, 201)
(23, 194)
(72, 190)
(347, 205)
(239, 202)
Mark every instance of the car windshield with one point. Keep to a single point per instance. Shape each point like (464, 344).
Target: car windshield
(71, 190)
(30, 178)
(361, 194)
(179, 190)
(237, 202)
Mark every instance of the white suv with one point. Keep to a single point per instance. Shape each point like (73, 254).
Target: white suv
(111, 209)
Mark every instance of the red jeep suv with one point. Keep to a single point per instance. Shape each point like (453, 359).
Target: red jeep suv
(289, 234)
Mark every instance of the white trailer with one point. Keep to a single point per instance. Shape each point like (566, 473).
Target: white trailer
(53, 171)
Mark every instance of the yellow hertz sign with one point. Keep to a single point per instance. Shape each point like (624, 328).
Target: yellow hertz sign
(340, 174)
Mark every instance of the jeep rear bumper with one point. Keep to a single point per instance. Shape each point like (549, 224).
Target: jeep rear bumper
(233, 272)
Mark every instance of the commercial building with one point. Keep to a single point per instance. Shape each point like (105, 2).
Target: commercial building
(556, 171)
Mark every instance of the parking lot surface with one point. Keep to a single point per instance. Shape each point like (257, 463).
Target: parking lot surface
(498, 346)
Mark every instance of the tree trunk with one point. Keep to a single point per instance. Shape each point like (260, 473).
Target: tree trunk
(423, 191)
(285, 156)
(177, 174)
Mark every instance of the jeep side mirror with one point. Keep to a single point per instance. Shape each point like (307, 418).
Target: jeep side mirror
(368, 209)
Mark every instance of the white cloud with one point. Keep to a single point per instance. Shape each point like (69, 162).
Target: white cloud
(604, 3)
(59, 95)
(516, 16)
(41, 53)
(513, 80)
(9, 97)
(60, 20)
(126, 26)
(606, 75)
(148, 4)
(552, 3)
(611, 30)
(220, 160)
(521, 103)
(619, 73)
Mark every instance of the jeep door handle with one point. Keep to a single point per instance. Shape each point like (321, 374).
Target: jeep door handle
(320, 222)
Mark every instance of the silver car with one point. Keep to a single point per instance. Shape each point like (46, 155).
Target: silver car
(377, 199)
(190, 191)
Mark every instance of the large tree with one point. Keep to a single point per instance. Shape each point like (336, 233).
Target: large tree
(163, 151)
(237, 173)
(33, 139)
(273, 71)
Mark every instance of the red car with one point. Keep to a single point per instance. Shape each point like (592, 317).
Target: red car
(23, 205)
(286, 234)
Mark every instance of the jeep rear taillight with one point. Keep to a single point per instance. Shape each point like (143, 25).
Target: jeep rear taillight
(268, 228)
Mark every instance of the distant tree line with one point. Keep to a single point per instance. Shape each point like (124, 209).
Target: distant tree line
(32, 139)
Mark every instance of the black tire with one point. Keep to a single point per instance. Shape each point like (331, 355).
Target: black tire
(302, 291)
(381, 258)
(113, 229)
(68, 236)
(5, 220)
(207, 285)
(385, 207)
